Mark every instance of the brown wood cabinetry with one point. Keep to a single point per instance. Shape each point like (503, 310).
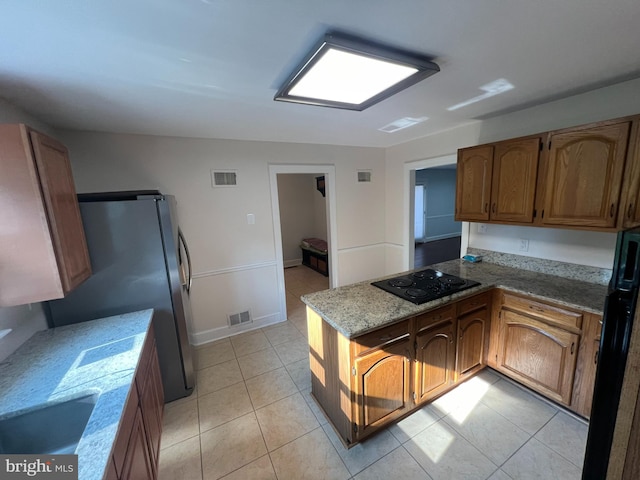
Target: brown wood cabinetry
(498, 182)
(538, 346)
(584, 176)
(382, 383)
(473, 328)
(630, 204)
(137, 445)
(366, 382)
(435, 353)
(43, 249)
(473, 183)
(587, 363)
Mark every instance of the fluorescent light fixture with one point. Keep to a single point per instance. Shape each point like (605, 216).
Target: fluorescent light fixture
(491, 89)
(348, 72)
(401, 123)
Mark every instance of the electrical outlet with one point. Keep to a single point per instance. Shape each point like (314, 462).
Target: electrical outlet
(524, 245)
(482, 228)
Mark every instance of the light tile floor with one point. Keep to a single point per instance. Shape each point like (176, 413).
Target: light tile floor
(252, 417)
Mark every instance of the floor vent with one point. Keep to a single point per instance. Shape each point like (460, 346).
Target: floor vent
(227, 178)
(364, 175)
(239, 318)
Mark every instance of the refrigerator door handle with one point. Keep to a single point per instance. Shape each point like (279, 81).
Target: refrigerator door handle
(186, 251)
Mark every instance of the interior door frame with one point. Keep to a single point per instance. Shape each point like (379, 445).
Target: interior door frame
(330, 181)
(408, 254)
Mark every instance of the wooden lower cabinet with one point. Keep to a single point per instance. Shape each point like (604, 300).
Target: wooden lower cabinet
(473, 329)
(435, 353)
(538, 346)
(366, 382)
(382, 386)
(137, 462)
(137, 445)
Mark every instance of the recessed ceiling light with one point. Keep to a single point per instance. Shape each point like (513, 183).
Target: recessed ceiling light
(348, 72)
(402, 123)
(491, 89)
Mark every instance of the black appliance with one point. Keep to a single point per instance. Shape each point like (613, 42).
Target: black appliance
(424, 285)
(139, 260)
(619, 310)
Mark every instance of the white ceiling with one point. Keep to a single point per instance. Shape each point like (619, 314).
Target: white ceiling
(210, 68)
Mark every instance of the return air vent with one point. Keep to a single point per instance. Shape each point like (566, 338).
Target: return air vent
(224, 178)
(364, 175)
(239, 318)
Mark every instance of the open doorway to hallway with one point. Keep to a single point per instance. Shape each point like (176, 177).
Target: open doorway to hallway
(437, 236)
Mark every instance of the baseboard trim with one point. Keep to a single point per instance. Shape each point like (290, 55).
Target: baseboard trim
(208, 336)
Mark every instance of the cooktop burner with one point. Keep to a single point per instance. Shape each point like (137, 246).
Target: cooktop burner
(424, 285)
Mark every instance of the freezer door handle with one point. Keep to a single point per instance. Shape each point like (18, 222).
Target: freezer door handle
(189, 278)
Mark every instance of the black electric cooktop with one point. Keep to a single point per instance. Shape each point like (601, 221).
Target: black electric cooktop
(424, 285)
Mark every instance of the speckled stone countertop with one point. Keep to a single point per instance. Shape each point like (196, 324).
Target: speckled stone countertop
(59, 364)
(359, 308)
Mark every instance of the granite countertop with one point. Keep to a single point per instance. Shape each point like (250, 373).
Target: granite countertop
(359, 308)
(59, 364)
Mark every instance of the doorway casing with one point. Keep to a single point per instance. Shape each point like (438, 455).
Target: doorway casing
(409, 206)
(329, 173)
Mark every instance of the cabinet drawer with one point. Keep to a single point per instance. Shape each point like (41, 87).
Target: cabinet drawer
(548, 313)
(378, 338)
(473, 303)
(434, 317)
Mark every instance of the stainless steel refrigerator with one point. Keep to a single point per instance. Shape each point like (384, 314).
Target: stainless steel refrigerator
(139, 260)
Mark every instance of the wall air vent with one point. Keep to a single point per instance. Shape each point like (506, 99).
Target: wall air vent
(224, 178)
(364, 175)
(239, 318)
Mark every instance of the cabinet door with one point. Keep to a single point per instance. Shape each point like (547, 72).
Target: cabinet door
(54, 170)
(630, 206)
(472, 329)
(539, 355)
(137, 464)
(584, 176)
(515, 173)
(473, 183)
(382, 380)
(435, 360)
(152, 403)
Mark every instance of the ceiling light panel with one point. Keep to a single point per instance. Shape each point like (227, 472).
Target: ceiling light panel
(348, 72)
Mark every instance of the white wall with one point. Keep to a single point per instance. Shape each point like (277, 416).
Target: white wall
(587, 248)
(22, 321)
(234, 262)
(301, 213)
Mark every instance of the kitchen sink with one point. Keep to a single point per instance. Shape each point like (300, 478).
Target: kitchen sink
(54, 429)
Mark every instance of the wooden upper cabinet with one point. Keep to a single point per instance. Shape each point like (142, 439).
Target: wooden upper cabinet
(515, 173)
(584, 176)
(43, 252)
(473, 183)
(630, 203)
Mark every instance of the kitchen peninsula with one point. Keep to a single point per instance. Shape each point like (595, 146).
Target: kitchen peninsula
(375, 357)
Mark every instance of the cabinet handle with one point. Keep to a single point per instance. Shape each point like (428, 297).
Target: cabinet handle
(486, 207)
(611, 210)
(493, 208)
(386, 338)
(572, 345)
(595, 357)
(630, 211)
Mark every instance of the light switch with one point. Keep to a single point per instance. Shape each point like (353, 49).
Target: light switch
(251, 219)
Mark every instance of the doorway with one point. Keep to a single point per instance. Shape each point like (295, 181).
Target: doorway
(311, 172)
(444, 198)
(436, 233)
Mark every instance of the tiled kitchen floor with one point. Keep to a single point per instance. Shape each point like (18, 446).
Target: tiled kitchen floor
(252, 417)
